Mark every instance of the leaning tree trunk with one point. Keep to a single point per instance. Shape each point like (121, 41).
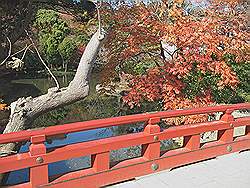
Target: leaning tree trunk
(25, 110)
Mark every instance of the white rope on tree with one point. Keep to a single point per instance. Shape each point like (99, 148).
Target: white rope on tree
(52, 75)
(98, 6)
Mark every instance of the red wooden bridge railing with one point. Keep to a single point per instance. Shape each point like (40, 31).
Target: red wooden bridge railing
(101, 172)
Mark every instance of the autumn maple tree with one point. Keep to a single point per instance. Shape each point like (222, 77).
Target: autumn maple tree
(186, 49)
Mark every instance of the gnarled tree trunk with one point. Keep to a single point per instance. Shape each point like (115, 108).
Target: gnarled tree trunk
(25, 110)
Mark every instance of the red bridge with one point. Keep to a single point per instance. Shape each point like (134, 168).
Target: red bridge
(102, 171)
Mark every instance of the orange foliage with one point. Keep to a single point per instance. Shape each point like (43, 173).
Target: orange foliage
(201, 40)
(3, 106)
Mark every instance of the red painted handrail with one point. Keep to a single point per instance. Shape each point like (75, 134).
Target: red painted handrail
(115, 121)
(102, 172)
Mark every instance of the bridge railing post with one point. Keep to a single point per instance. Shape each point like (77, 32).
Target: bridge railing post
(247, 130)
(152, 150)
(39, 174)
(227, 135)
(101, 161)
(192, 142)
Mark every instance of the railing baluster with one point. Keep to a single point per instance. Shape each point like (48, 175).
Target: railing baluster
(152, 150)
(39, 174)
(248, 130)
(100, 161)
(227, 135)
(192, 142)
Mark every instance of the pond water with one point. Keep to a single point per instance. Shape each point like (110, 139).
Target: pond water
(11, 90)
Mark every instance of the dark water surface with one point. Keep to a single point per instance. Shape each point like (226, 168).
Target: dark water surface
(15, 87)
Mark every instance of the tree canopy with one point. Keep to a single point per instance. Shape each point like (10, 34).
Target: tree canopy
(192, 53)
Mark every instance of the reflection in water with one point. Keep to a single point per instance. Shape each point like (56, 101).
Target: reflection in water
(43, 84)
(11, 90)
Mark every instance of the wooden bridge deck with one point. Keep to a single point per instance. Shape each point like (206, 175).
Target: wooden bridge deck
(229, 171)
